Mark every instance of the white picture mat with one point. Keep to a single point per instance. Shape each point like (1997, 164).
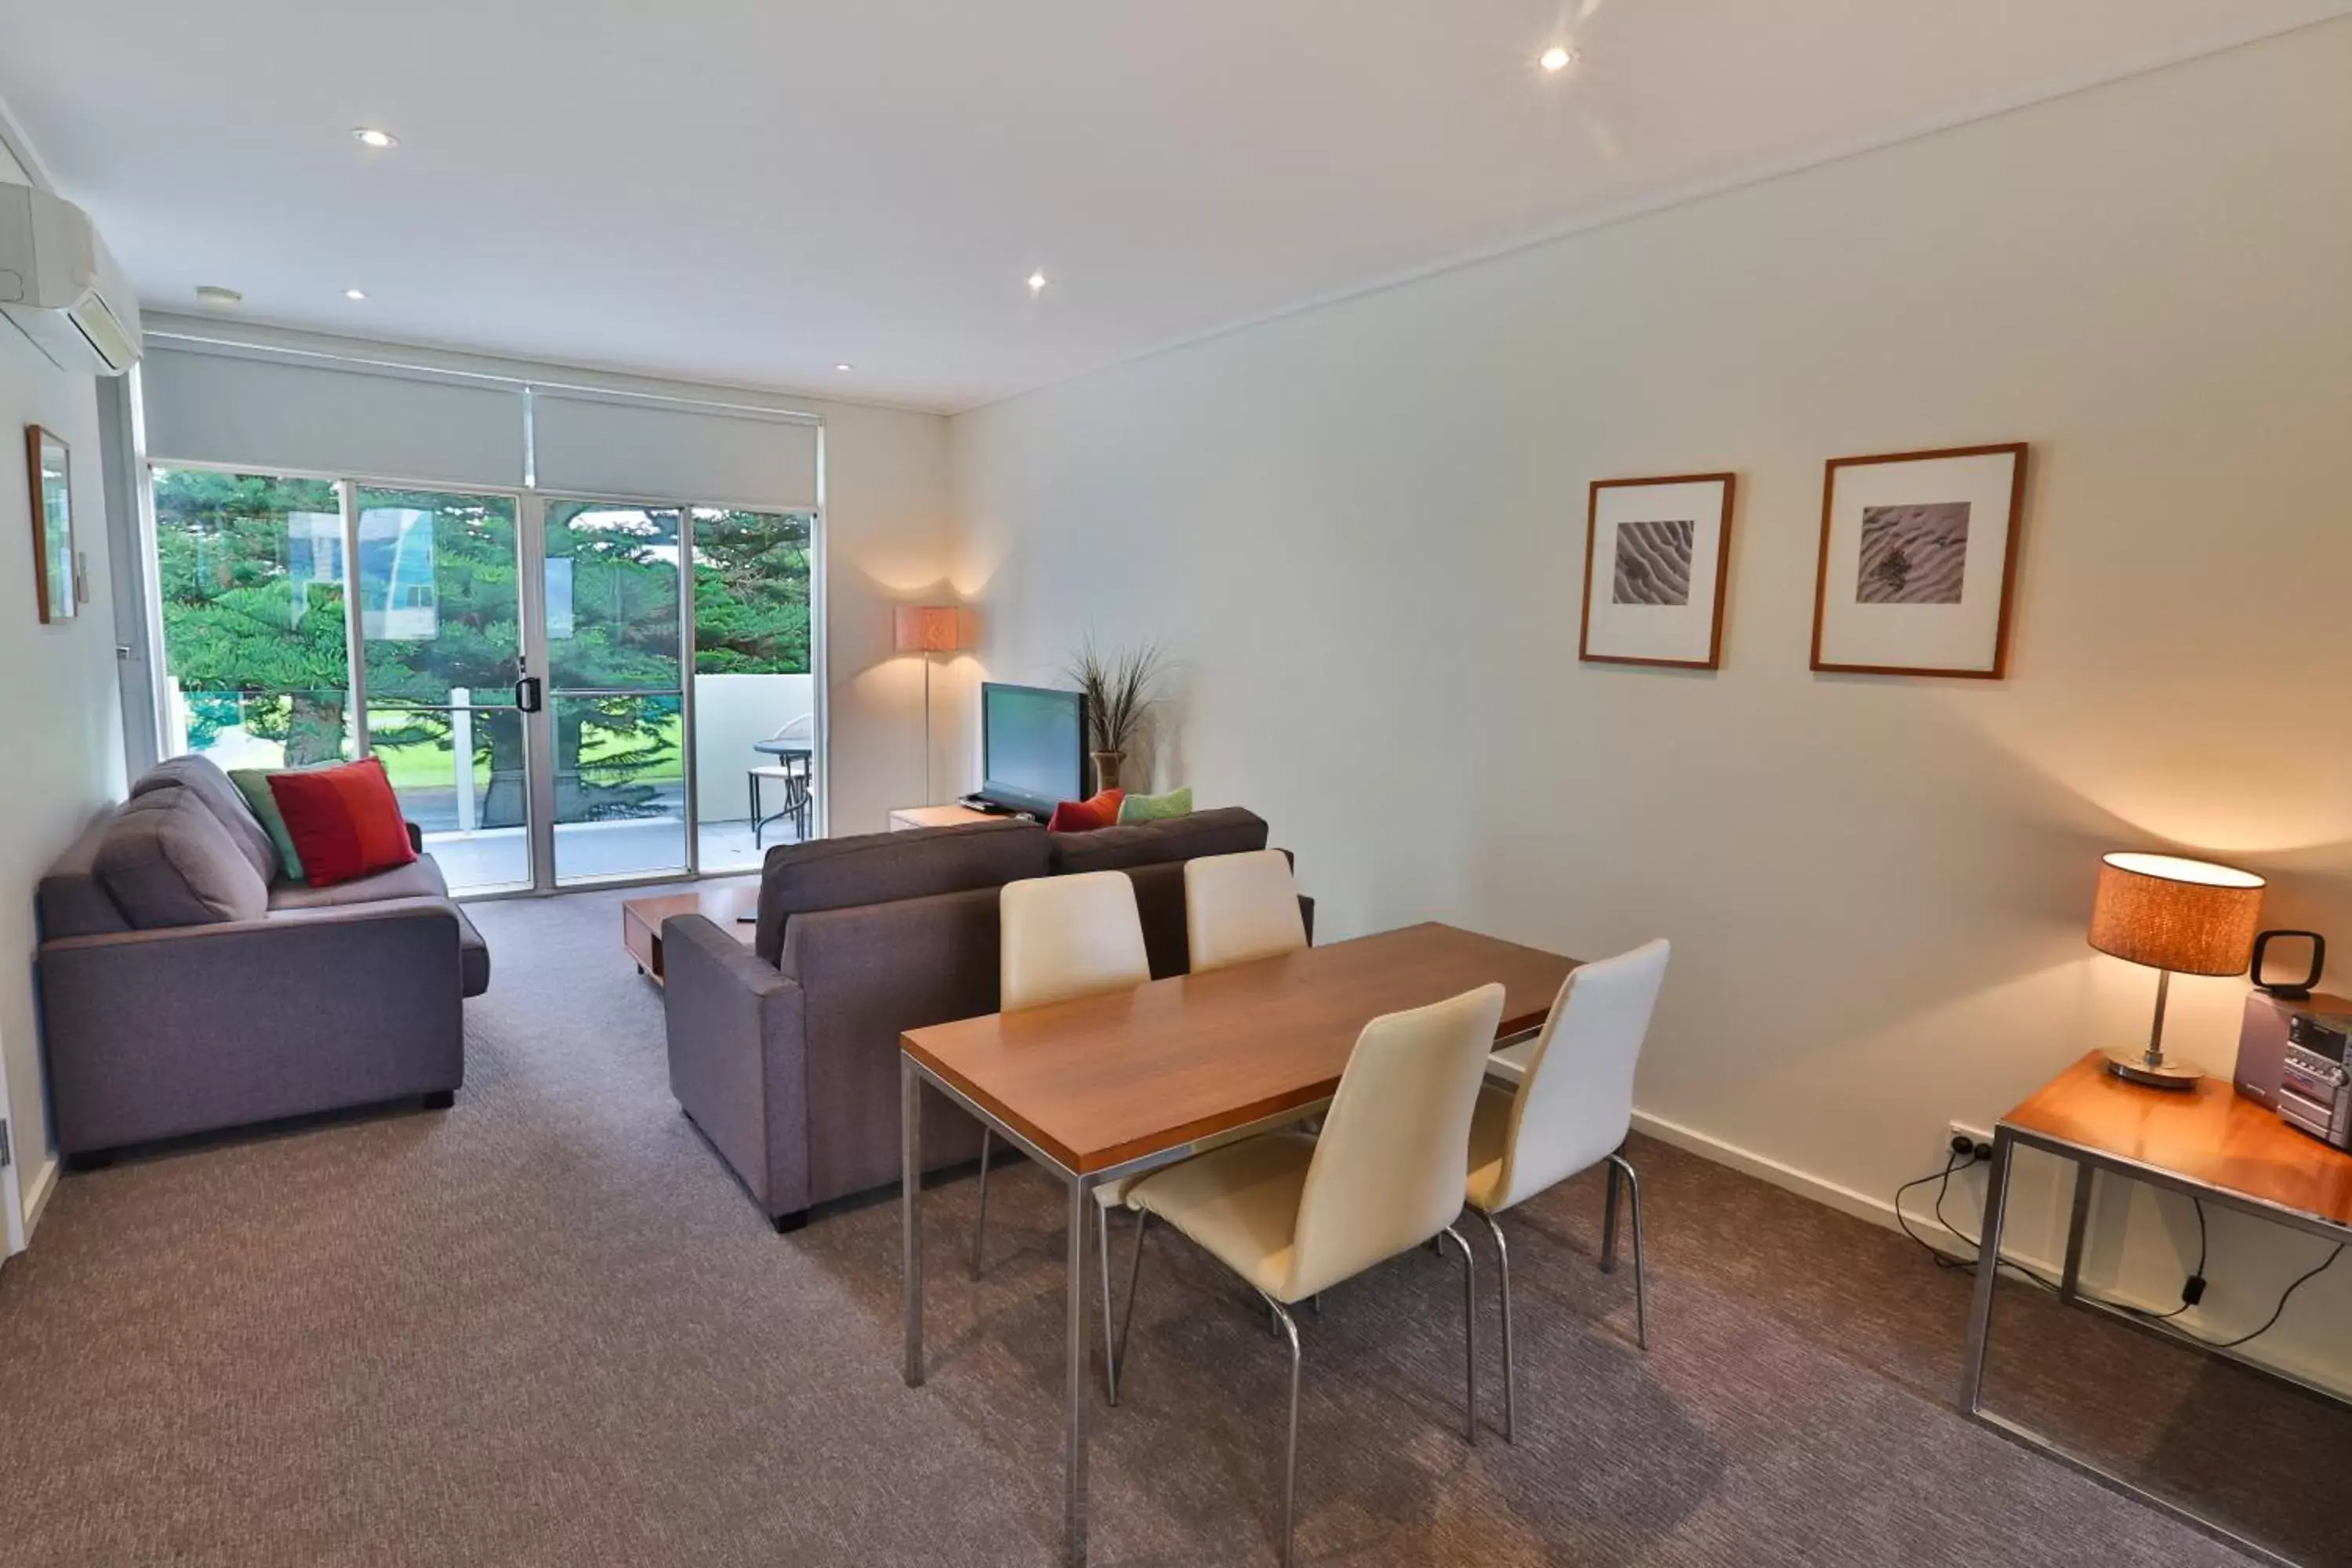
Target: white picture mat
(1681, 632)
(1965, 636)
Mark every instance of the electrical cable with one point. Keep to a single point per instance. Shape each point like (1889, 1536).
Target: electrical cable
(1959, 1161)
(2190, 1293)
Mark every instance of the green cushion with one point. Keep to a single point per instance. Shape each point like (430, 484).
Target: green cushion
(1156, 807)
(254, 785)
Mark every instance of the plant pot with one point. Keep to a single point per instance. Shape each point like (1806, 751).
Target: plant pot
(1106, 766)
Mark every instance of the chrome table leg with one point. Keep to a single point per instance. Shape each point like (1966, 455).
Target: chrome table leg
(980, 1224)
(2077, 1228)
(910, 1215)
(1074, 1349)
(1996, 1215)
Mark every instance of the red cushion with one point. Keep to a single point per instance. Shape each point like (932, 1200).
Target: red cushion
(345, 821)
(1086, 816)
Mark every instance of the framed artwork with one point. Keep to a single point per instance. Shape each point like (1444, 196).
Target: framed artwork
(52, 546)
(1918, 562)
(1654, 553)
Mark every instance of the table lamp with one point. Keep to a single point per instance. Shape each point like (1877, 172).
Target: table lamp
(2176, 916)
(928, 629)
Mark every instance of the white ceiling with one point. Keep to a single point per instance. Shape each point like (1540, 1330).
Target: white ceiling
(751, 191)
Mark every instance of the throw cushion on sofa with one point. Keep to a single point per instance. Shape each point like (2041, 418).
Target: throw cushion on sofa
(1156, 807)
(1098, 811)
(254, 785)
(345, 821)
(166, 860)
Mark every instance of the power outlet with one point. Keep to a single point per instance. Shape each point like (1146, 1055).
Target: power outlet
(1979, 1137)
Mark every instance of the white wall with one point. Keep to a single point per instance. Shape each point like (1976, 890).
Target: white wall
(63, 756)
(1360, 529)
(731, 713)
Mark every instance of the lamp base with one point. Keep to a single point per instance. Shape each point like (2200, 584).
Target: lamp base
(2135, 1067)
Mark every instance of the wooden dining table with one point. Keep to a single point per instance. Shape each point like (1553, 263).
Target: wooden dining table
(1111, 1086)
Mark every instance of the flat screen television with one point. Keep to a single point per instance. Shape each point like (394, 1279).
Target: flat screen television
(1032, 747)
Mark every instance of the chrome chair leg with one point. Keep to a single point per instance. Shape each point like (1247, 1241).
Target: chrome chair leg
(980, 1226)
(1127, 1319)
(1510, 1370)
(1290, 1443)
(1102, 1254)
(1640, 1264)
(1609, 1219)
(1469, 1333)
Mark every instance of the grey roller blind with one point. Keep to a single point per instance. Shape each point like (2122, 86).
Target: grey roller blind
(586, 444)
(361, 424)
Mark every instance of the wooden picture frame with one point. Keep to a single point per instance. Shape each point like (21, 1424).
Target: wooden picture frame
(48, 467)
(1917, 573)
(1663, 606)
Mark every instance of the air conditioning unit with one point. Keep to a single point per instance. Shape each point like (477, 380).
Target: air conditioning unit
(57, 283)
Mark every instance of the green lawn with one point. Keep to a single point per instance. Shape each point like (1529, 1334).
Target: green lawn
(423, 764)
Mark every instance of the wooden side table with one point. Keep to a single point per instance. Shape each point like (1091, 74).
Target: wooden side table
(2207, 1142)
(935, 816)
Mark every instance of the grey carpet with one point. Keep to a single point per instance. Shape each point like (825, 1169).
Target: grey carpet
(546, 1327)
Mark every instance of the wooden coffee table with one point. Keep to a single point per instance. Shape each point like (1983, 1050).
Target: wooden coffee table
(720, 902)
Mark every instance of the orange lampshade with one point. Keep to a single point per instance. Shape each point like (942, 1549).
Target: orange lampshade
(2188, 916)
(933, 628)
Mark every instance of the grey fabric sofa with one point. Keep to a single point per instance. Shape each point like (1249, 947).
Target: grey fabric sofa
(786, 1054)
(187, 987)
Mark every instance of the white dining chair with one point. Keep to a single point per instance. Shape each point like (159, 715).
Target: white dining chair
(1238, 908)
(1572, 1110)
(1294, 1213)
(1061, 937)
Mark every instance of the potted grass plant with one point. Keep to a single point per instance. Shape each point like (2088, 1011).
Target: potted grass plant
(1119, 698)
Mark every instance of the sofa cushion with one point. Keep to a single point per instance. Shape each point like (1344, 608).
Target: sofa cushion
(253, 783)
(345, 821)
(1097, 811)
(1156, 807)
(202, 777)
(70, 899)
(166, 860)
(1228, 830)
(884, 868)
(420, 879)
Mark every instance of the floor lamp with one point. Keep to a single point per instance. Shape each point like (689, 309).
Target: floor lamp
(928, 629)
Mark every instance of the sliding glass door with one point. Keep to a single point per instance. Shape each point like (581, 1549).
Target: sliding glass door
(441, 625)
(615, 699)
(563, 690)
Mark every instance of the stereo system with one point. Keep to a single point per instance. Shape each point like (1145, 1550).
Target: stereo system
(2315, 1093)
(2293, 1047)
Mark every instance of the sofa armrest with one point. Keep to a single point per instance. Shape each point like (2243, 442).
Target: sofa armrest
(872, 972)
(736, 1060)
(151, 1033)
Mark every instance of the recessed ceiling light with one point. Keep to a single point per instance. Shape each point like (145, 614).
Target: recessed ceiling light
(1036, 283)
(845, 367)
(369, 136)
(354, 293)
(1557, 59)
(214, 294)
